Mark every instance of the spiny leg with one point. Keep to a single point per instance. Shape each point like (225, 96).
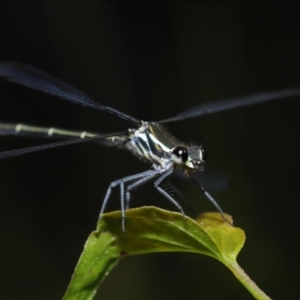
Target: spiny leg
(212, 200)
(133, 186)
(164, 193)
(122, 204)
(181, 196)
(121, 182)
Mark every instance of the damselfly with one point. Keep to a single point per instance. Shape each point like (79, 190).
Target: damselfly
(149, 141)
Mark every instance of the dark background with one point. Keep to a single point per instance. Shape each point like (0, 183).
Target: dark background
(152, 61)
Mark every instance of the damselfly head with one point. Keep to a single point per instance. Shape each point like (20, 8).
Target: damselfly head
(191, 158)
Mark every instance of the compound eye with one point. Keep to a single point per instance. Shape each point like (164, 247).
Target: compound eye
(180, 154)
(203, 154)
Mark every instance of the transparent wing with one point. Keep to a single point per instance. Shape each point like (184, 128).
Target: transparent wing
(214, 107)
(39, 80)
(209, 178)
(213, 180)
(22, 151)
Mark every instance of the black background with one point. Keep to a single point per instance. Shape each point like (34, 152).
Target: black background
(151, 61)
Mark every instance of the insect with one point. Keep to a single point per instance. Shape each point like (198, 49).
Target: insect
(149, 141)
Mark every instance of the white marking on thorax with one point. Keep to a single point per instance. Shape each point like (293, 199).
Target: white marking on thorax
(145, 144)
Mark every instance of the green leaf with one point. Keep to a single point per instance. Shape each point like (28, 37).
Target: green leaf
(148, 230)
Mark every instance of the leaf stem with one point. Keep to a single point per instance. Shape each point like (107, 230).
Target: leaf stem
(240, 274)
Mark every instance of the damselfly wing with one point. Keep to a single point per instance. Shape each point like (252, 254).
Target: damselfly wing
(150, 141)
